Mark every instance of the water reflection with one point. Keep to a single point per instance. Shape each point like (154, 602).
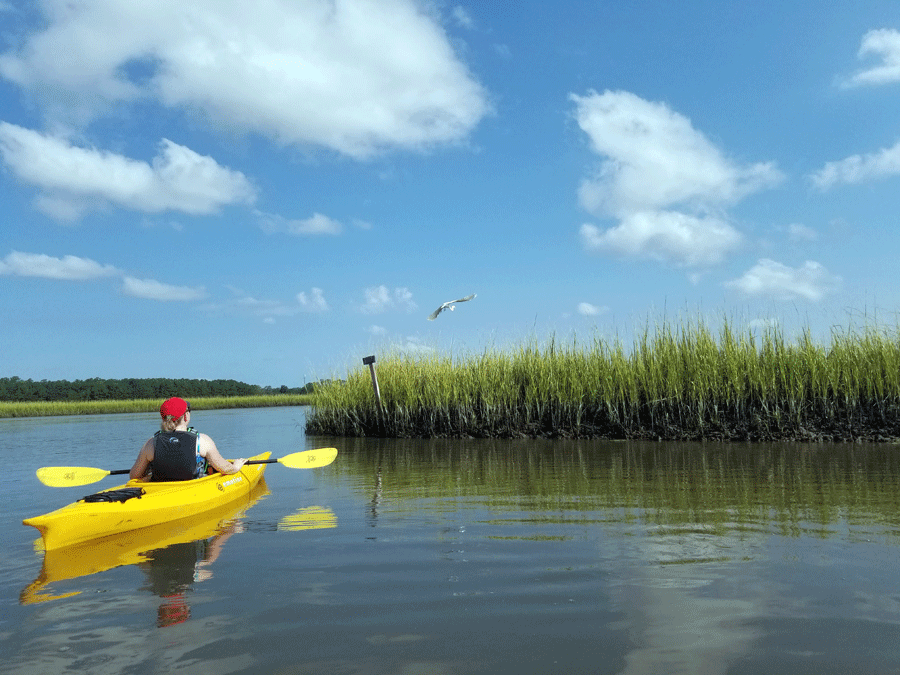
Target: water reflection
(499, 557)
(173, 570)
(308, 518)
(786, 489)
(689, 543)
(377, 496)
(173, 556)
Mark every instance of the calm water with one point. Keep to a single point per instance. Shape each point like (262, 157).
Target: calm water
(459, 557)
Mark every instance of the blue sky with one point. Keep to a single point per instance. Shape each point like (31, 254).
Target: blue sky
(198, 190)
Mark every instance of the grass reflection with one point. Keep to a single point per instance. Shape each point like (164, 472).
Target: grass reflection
(783, 488)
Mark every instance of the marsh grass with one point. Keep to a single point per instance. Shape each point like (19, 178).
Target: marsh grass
(675, 382)
(49, 408)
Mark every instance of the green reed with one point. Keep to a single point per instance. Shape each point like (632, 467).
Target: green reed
(49, 408)
(681, 381)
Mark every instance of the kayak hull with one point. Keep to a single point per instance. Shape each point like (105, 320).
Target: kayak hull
(161, 502)
(134, 547)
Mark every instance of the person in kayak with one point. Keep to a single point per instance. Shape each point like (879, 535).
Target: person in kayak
(177, 451)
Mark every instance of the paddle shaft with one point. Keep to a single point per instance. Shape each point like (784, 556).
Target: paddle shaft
(118, 472)
(65, 476)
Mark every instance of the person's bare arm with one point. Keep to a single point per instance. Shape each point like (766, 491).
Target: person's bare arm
(209, 450)
(142, 463)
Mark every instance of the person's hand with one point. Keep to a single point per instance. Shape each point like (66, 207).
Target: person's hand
(238, 463)
(202, 575)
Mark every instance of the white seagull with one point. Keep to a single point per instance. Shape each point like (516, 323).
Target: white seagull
(449, 305)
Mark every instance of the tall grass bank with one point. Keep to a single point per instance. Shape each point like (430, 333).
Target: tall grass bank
(53, 408)
(674, 383)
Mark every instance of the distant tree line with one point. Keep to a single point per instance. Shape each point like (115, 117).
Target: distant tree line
(96, 389)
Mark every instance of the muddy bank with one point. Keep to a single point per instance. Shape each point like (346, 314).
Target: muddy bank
(874, 426)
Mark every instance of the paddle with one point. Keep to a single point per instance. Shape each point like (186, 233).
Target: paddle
(71, 476)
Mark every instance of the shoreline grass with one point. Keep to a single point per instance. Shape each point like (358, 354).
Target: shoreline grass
(9, 409)
(675, 383)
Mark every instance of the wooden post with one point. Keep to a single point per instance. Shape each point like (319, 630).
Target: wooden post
(370, 361)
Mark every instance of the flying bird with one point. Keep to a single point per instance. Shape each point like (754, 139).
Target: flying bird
(449, 305)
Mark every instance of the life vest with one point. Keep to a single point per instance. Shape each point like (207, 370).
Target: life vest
(176, 456)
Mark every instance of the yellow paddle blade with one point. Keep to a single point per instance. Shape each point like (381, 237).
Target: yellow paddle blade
(309, 459)
(69, 476)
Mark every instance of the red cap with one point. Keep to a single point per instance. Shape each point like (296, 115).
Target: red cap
(174, 407)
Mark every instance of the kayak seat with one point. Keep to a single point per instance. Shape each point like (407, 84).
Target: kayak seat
(122, 495)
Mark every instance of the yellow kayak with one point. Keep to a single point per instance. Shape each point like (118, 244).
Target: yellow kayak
(135, 547)
(161, 502)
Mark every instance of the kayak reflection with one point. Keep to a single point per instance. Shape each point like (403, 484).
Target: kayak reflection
(173, 570)
(161, 550)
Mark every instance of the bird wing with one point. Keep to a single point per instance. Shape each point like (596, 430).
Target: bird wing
(449, 304)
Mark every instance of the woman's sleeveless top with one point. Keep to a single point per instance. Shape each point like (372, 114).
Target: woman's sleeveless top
(176, 456)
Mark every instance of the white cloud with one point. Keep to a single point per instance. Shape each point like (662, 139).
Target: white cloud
(261, 306)
(73, 268)
(799, 232)
(655, 158)
(772, 279)
(316, 224)
(149, 289)
(764, 325)
(587, 309)
(662, 179)
(859, 168)
(356, 77)
(74, 178)
(463, 18)
(243, 303)
(314, 302)
(64, 209)
(884, 43)
(380, 299)
(665, 236)
(503, 51)
(67, 268)
(414, 345)
(376, 330)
